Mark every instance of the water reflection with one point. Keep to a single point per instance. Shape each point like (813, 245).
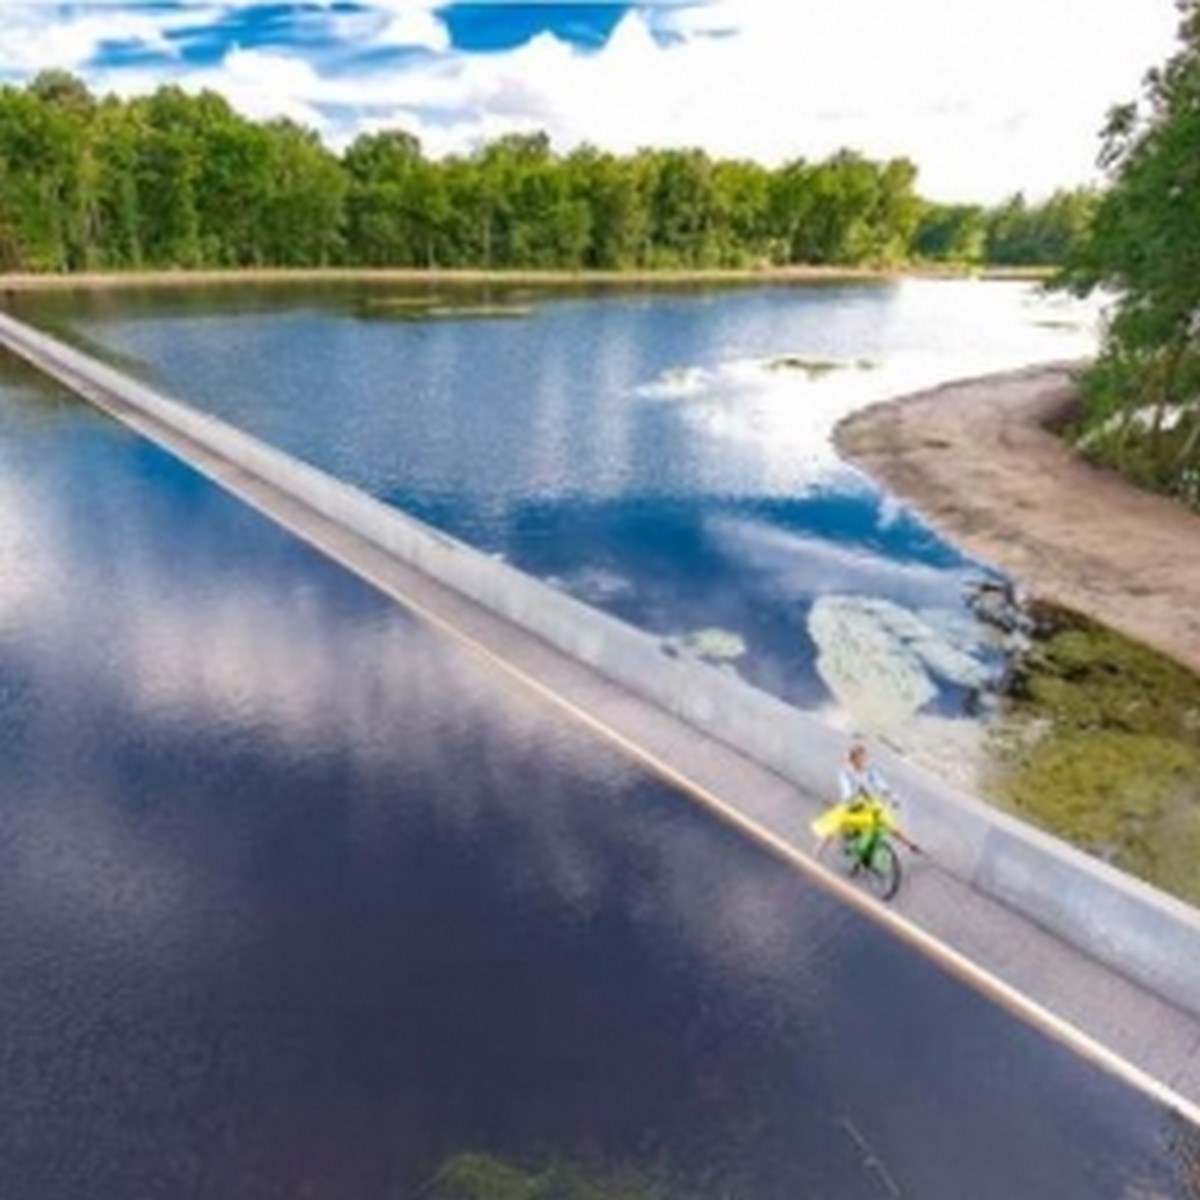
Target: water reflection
(295, 900)
(663, 455)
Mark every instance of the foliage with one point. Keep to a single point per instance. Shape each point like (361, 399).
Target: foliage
(1143, 395)
(951, 233)
(1100, 744)
(180, 180)
(1046, 234)
(481, 1177)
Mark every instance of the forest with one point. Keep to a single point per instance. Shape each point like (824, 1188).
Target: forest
(176, 180)
(1142, 394)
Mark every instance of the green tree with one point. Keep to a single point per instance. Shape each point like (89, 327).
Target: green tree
(1144, 391)
(233, 181)
(388, 222)
(618, 219)
(181, 180)
(118, 136)
(45, 208)
(846, 210)
(304, 208)
(897, 211)
(742, 214)
(951, 233)
(167, 172)
(1021, 234)
(681, 207)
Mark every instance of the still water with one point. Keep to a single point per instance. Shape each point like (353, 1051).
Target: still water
(663, 455)
(298, 901)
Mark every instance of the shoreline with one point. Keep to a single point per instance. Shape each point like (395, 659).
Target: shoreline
(1097, 738)
(977, 459)
(456, 277)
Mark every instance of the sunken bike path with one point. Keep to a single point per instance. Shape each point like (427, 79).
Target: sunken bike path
(1103, 1016)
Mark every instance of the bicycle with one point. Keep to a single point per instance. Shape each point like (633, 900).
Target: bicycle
(865, 829)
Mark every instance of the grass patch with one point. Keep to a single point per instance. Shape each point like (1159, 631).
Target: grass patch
(1099, 743)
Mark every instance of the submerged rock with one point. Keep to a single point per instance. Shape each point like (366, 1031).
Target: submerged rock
(999, 604)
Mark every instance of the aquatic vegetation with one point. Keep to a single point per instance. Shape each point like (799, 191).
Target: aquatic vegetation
(677, 383)
(1059, 323)
(416, 308)
(711, 645)
(745, 377)
(595, 585)
(815, 368)
(483, 1177)
(882, 661)
(1099, 743)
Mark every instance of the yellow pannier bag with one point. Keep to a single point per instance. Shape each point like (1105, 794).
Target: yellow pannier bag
(852, 818)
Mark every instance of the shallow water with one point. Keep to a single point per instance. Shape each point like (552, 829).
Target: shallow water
(663, 455)
(296, 900)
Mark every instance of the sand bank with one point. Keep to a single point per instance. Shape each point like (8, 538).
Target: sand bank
(979, 459)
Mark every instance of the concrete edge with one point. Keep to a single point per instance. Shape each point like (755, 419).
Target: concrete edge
(1129, 926)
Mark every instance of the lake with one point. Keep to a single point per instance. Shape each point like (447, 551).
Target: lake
(297, 900)
(662, 454)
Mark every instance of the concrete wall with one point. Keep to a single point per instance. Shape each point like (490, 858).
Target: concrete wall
(1130, 927)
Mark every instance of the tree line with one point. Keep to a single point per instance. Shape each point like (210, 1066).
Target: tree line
(1142, 395)
(180, 180)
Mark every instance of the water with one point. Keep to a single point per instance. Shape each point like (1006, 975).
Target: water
(659, 454)
(297, 900)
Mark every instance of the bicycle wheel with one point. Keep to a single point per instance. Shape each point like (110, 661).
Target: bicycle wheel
(883, 871)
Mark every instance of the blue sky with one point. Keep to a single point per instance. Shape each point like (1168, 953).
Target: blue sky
(984, 97)
(202, 34)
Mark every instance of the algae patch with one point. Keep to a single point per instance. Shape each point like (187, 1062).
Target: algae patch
(816, 368)
(417, 308)
(882, 662)
(1060, 323)
(1099, 743)
(484, 1177)
(709, 645)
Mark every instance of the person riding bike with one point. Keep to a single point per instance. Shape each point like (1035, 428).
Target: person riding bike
(863, 791)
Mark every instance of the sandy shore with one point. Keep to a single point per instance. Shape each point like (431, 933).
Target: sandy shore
(977, 459)
(407, 276)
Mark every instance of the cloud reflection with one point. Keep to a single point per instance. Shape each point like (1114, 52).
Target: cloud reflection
(194, 641)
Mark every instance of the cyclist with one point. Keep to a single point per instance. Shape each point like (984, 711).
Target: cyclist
(859, 786)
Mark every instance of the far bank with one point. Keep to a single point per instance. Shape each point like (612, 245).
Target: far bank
(36, 281)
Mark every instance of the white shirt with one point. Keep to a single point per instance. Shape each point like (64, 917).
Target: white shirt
(855, 785)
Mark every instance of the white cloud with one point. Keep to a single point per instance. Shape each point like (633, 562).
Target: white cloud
(981, 97)
(413, 24)
(985, 98)
(264, 85)
(35, 39)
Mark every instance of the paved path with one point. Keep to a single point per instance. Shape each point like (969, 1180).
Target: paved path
(1105, 1017)
(978, 461)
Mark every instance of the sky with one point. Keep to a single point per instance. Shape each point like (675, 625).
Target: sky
(986, 98)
